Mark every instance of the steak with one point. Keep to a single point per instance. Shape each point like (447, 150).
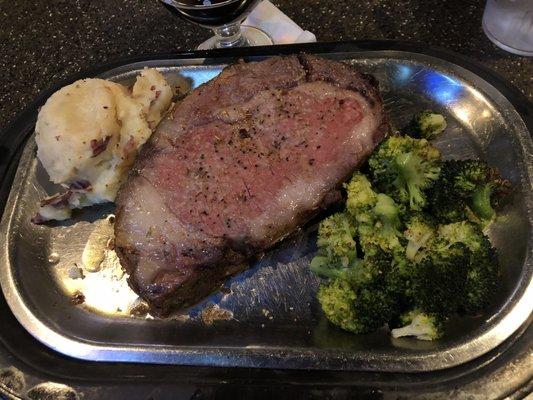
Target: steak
(239, 164)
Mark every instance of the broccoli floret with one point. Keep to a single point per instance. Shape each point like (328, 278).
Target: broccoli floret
(481, 281)
(420, 231)
(404, 168)
(358, 308)
(335, 234)
(458, 273)
(426, 125)
(421, 325)
(467, 189)
(361, 198)
(400, 277)
(482, 266)
(372, 268)
(445, 204)
(381, 231)
(337, 300)
(440, 279)
(358, 300)
(387, 215)
(464, 232)
(480, 184)
(336, 246)
(377, 216)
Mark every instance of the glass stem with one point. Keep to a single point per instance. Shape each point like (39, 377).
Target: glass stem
(229, 36)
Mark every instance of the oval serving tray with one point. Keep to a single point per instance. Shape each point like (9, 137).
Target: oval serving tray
(275, 321)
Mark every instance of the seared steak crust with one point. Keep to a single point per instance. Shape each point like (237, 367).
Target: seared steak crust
(239, 164)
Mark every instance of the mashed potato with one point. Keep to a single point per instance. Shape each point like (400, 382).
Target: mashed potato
(88, 134)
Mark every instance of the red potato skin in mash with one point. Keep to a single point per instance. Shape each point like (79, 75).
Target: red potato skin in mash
(88, 134)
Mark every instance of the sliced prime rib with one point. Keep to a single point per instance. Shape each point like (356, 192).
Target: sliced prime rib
(239, 164)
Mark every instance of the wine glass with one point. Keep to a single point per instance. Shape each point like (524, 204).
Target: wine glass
(224, 17)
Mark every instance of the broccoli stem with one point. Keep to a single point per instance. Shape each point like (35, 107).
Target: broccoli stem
(422, 326)
(409, 166)
(481, 202)
(325, 272)
(321, 266)
(387, 212)
(421, 332)
(414, 245)
(416, 198)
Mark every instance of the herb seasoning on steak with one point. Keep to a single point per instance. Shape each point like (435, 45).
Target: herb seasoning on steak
(239, 164)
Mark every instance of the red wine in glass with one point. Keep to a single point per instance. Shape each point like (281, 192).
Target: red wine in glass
(223, 17)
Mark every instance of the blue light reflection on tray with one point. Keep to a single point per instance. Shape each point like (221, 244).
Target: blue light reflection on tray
(404, 72)
(199, 77)
(443, 88)
(438, 86)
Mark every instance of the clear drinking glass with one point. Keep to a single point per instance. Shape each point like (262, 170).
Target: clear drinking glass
(509, 24)
(224, 17)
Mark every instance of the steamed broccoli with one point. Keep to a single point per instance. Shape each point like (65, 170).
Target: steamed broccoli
(464, 232)
(358, 310)
(481, 281)
(335, 236)
(336, 245)
(467, 189)
(401, 277)
(358, 302)
(387, 212)
(480, 184)
(377, 216)
(372, 267)
(482, 266)
(381, 232)
(445, 204)
(361, 197)
(409, 250)
(426, 125)
(404, 168)
(420, 230)
(403, 272)
(337, 300)
(421, 325)
(440, 279)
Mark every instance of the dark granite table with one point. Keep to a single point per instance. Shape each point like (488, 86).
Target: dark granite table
(43, 41)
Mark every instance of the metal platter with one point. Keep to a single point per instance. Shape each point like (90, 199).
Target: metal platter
(267, 317)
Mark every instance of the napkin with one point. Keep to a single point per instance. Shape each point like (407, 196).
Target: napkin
(270, 19)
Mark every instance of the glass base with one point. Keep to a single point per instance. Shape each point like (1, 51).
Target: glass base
(253, 37)
(504, 46)
(509, 25)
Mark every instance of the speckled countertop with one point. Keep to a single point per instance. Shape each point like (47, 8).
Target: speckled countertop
(44, 41)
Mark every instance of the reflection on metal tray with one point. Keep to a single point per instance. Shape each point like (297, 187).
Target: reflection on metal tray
(268, 315)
